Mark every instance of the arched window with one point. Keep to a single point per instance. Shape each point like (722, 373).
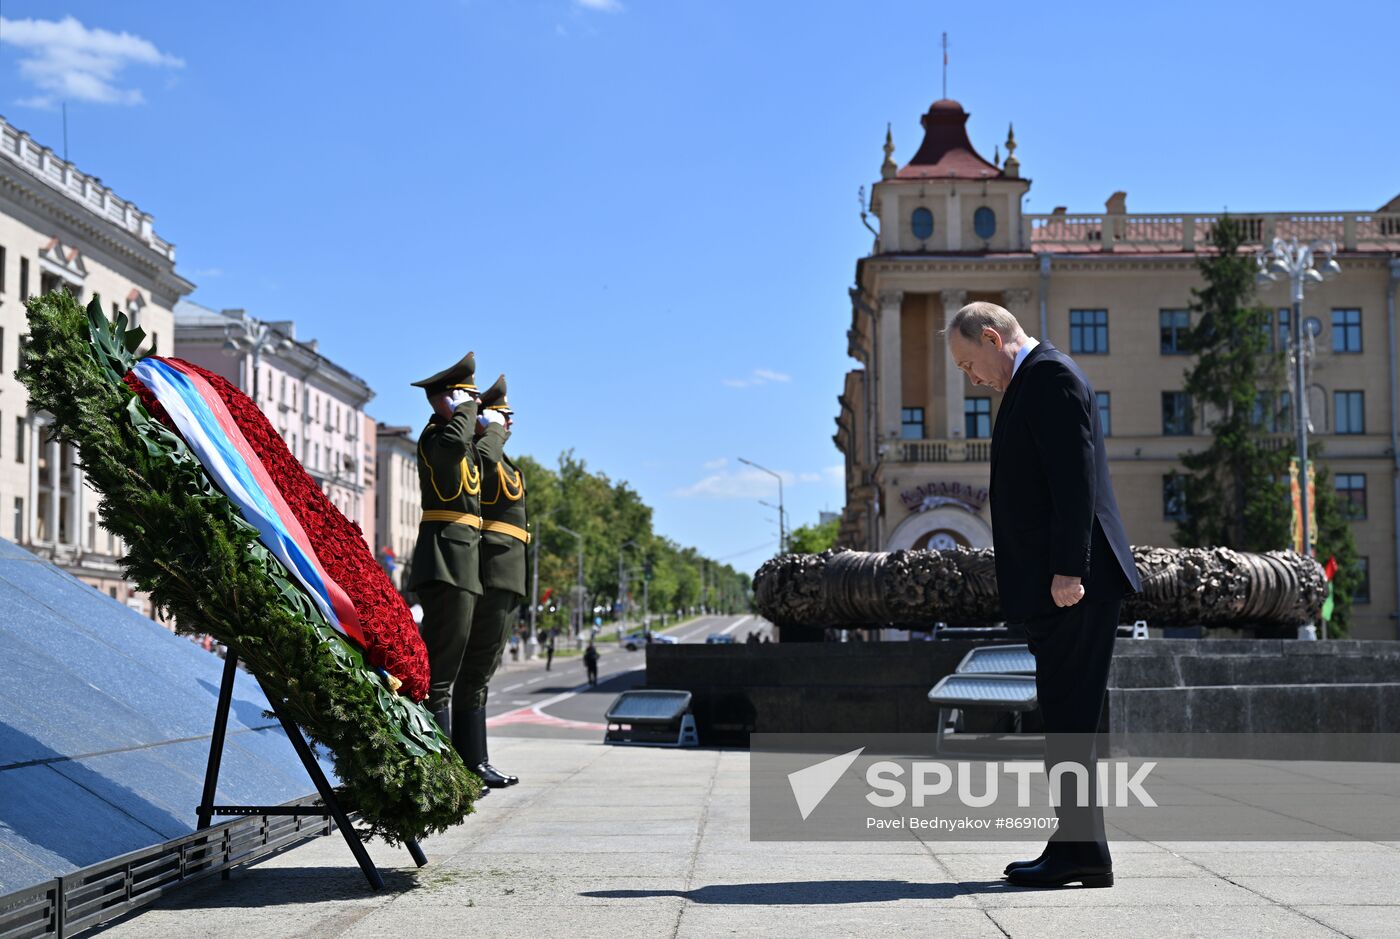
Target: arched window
(984, 222)
(922, 224)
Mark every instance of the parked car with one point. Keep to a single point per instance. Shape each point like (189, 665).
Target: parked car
(634, 641)
(719, 639)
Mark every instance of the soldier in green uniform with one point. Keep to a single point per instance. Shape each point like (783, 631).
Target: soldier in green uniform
(446, 560)
(504, 535)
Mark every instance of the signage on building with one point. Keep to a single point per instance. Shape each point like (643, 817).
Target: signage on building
(933, 495)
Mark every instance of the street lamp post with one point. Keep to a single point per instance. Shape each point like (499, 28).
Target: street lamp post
(579, 592)
(252, 336)
(782, 527)
(782, 519)
(622, 586)
(1297, 262)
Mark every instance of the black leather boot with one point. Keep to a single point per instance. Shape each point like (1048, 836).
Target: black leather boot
(444, 720)
(470, 740)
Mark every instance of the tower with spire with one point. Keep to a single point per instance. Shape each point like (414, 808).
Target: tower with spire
(948, 199)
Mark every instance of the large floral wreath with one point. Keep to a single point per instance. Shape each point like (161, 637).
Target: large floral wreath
(351, 669)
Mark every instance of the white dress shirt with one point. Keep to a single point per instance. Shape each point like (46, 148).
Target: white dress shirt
(1031, 343)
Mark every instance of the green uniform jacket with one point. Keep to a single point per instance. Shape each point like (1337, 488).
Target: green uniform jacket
(503, 507)
(449, 479)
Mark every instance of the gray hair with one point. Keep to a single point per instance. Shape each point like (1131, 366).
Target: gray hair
(978, 315)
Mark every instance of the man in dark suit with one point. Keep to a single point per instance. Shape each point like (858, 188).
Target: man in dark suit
(1063, 561)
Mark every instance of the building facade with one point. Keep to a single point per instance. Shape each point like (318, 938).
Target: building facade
(1113, 290)
(316, 405)
(399, 505)
(63, 229)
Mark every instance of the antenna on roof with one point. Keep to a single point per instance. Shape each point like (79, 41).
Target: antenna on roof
(945, 65)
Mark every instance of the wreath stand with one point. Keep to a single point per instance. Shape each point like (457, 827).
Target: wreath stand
(329, 807)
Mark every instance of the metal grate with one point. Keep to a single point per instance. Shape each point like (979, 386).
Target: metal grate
(649, 707)
(68, 905)
(999, 660)
(1012, 692)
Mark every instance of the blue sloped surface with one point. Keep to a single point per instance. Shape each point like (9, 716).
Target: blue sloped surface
(104, 728)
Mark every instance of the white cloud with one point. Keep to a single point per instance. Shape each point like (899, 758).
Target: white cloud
(759, 376)
(67, 61)
(601, 6)
(715, 464)
(749, 483)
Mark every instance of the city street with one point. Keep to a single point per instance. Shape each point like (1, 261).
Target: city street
(528, 701)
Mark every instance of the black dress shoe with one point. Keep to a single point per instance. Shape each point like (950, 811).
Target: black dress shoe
(493, 777)
(1014, 865)
(1060, 872)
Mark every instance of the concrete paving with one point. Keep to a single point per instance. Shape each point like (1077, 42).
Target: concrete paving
(637, 842)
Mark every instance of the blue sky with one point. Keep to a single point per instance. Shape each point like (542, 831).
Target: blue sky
(644, 212)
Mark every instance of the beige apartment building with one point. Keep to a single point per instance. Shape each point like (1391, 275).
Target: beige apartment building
(1112, 289)
(398, 503)
(316, 405)
(62, 228)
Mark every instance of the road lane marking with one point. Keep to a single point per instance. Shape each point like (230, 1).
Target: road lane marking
(535, 713)
(734, 625)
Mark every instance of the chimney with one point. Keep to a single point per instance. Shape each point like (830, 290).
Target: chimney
(1117, 203)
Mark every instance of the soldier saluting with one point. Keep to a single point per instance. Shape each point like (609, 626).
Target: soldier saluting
(446, 559)
(504, 535)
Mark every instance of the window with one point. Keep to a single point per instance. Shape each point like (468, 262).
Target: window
(1285, 334)
(1176, 414)
(19, 519)
(1105, 412)
(19, 439)
(911, 423)
(1362, 592)
(23, 279)
(1174, 497)
(1088, 332)
(977, 418)
(984, 222)
(1350, 412)
(1174, 326)
(1285, 410)
(1266, 324)
(922, 224)
(1351, 495)
(1346, 331)
(1265, 414)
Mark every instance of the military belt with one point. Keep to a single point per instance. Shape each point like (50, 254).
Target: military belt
(453, 518)
(506, 528)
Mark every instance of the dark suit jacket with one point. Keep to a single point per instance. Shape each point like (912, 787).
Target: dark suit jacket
(1053, 510)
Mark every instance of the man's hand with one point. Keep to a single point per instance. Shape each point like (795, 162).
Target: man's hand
(492, 417)
(1066, 591)
(458, 397)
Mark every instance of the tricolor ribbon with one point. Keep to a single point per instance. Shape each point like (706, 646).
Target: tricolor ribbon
(202, 418)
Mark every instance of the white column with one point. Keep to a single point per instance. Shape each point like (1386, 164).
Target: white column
(76, 523)
(31, 511)
(954, 383)
(55, 487)
(888, 356)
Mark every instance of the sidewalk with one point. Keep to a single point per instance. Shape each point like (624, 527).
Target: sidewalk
(602, 841)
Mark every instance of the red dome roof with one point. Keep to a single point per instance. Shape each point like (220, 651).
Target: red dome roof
(946, 152)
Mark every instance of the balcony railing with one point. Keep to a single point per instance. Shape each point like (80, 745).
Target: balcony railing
(944, 451)
(1353, 231)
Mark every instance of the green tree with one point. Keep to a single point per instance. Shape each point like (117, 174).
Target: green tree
(813, 539)
(1235, 487)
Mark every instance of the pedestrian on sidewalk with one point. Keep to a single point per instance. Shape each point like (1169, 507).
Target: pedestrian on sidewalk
(590, 662)
(549, 652)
